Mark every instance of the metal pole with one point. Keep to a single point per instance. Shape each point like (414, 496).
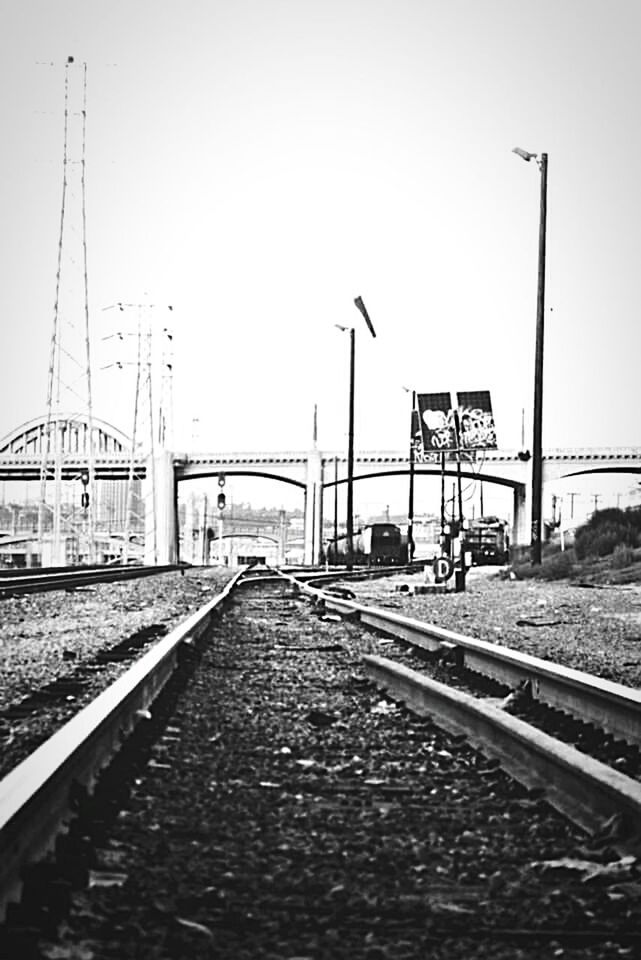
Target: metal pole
(205, 542)
(335, 499)
(537, 454)
(442, 497)
(461, 534)
(350, 452)
(410, 507)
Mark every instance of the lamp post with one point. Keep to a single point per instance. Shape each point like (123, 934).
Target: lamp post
(350, 441)
(350, 447)
(537, 455)
(410, 504)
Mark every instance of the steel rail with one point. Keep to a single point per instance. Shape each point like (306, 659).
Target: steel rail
(19, 572)
(35, 797)
(321, 575)
(585, 790)
(40, 583)
(610, 706)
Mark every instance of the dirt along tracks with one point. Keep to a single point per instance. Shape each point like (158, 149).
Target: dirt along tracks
(284, 809)
(61, 639)
(596, 629)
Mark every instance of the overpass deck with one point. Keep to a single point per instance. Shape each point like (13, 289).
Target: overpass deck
(14, 466)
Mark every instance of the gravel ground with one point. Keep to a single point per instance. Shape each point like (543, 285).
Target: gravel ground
(44, 636)
(286, 812)
(50, 636)
(593, 629)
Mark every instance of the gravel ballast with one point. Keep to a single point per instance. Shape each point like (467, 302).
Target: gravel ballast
(66, 636)
(595, 629)
(286, 811)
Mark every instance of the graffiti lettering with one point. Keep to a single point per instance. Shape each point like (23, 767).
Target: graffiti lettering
(477, 428)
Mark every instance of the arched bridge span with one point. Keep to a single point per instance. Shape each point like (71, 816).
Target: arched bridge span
(21, 454)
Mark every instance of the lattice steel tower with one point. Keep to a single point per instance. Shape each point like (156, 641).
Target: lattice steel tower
(69, 397)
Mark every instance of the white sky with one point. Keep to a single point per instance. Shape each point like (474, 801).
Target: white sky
(259, 164)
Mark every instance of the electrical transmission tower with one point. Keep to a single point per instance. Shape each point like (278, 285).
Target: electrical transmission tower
(150, 400)
(69, 398)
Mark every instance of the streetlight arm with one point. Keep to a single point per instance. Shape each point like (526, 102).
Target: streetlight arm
(524, 154)
(361, 306)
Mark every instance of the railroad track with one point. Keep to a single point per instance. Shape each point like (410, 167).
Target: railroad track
(35, 798)
(610, 706)
(19, 572)
(12, 585)
(583, 789)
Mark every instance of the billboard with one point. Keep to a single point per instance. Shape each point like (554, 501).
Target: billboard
(436, 420)
(434, 427)
(477, 428)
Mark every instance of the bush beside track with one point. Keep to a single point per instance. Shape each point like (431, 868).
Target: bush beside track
(606, 550)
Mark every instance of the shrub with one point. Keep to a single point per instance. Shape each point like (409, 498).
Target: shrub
(622, 556)
(605, 530)
(556, 566)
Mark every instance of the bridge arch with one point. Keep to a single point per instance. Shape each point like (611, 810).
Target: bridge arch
(431, 471)
(246, 536)
(200, 473)
(580, 473)
(30, 438)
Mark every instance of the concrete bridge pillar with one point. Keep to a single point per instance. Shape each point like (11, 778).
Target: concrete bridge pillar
(188, 543)
(313, 508)
(521, 515)
(161, 510)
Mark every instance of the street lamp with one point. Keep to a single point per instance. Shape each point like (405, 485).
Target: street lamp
(350, 443)
(537, 455)
(410, 505)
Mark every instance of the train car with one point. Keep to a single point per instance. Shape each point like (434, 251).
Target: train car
(377, 544)
(488, 540)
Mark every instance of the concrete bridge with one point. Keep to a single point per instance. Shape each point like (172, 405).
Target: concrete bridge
(312, 471)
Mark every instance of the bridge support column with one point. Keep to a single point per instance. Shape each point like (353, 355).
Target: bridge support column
(313, 508)
(521, 526)
(161, 527)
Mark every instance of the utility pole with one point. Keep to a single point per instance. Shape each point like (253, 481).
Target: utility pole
(350, 452)
(460, 585)
(410, 506)
(335, 500)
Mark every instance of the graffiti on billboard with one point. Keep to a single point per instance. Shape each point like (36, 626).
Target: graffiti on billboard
(438, 431)
(434, 429)
(478, 431)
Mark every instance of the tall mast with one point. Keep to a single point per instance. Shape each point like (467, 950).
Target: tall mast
(69, 396)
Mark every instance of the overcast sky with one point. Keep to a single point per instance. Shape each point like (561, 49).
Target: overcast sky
(257, 164)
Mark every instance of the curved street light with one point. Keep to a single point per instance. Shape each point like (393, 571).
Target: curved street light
(350, 446)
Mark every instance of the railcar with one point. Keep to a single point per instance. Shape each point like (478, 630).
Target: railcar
(488, 540)
(377, 544)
